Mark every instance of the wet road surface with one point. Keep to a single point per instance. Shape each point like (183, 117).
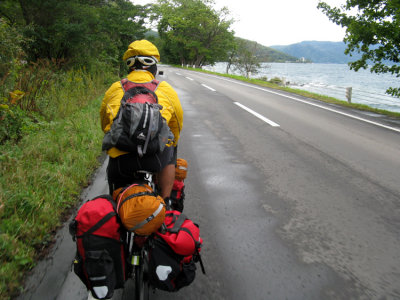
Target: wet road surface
(305, 210)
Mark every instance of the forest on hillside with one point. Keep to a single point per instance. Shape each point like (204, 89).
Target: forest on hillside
(43, 37)
(95, 33)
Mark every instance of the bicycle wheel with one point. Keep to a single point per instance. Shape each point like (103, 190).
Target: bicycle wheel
(146, 283)
(141, 284)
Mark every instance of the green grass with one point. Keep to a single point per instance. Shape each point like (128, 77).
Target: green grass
(50, 142)
(42, 177)
(48, 152)
(322, 98)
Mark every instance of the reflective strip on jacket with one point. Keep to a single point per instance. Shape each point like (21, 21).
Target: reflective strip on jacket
(167, 98)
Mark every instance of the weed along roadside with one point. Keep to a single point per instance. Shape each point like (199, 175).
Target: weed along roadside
(41, 180)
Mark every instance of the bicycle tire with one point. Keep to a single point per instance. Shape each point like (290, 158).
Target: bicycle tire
(141, 284)
(146, 283)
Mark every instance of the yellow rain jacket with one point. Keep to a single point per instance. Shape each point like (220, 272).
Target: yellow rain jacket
(167, 98)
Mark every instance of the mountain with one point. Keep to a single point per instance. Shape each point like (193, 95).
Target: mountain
(267, 54)
(264, 53)
(319, 52)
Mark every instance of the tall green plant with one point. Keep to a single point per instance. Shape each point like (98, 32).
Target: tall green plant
(192, 31)
(42, 93)
(11, 63)
(83, 33)
(10, 49)
(40, 178)
(372, 29)
(246, 60)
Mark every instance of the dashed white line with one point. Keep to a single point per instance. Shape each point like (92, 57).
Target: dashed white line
(272, 123)
(189, 78)
(310, 103)
(206, 86)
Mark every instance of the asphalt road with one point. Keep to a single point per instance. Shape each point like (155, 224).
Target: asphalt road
(301, 201)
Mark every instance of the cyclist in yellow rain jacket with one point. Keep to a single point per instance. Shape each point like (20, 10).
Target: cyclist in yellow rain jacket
(141, 58)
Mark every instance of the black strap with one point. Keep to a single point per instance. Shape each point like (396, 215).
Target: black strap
(178, 224)
(121, 191)
(150, 110)
(188, 231)
(100, 223)
(147, 193)
(110, 199)
(201, 262)
(105, 196)
(174, 216)
(178, 227)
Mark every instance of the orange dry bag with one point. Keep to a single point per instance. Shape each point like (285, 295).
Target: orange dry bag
(140, 209)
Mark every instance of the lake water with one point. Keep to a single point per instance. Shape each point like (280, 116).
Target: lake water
(331, 80)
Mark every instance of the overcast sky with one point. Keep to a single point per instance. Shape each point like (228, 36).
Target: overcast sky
(279, 22)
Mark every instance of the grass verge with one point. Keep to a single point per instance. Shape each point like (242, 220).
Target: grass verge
(41, 177)
(319, 97)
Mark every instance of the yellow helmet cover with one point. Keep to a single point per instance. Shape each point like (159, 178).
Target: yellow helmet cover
(142, 47)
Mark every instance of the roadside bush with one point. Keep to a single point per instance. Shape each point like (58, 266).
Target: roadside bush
(41, 93)
(11, 53)
(50, 141)
(12, 121)
(263, 78)
(276, 80)
(41, 178)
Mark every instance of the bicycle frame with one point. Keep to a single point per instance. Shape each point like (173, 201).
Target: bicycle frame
(138, 253)
(138, 257)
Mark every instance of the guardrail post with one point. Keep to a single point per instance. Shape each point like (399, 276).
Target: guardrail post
(348, 93)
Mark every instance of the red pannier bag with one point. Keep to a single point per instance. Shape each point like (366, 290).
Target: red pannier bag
(182, 235)
(176, 249)
(177, 195)
(100, 257)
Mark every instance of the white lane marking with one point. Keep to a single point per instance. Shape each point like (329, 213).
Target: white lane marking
(310, 103)
(178, 74)
(210, 88)
(272, 123)
(189, 78)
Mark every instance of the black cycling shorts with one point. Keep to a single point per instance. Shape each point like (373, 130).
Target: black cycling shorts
(120, 170)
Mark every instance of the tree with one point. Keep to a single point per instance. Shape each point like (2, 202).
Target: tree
(246, 60)
(81, 32)
(372, 29)
(10, 49)
(192, 32)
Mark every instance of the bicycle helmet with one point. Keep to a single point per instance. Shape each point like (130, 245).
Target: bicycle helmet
(142, 48)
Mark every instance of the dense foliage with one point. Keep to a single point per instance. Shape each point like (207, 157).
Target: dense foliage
(192, 32)
(82, 32)
(42, 41)
(244, 57)
(372, 29)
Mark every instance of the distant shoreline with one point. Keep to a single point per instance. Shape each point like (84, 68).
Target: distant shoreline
(329, 79)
